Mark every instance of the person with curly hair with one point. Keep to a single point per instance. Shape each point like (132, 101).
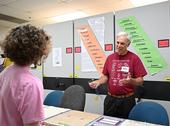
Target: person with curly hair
(21, 93)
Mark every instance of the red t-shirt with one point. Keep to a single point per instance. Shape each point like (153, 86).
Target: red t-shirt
(117, 67)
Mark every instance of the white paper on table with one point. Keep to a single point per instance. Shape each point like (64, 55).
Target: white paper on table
(51, 111)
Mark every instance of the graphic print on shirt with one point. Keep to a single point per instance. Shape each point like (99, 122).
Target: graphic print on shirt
(120, 69)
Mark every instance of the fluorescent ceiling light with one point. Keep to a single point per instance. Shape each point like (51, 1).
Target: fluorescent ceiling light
(69, 16)
(137, 3)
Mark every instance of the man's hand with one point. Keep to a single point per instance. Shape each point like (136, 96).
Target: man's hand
(134, 81)
(94, 84)
(126, 80)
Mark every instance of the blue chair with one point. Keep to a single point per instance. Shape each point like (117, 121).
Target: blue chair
(54, 98)
(150, 112)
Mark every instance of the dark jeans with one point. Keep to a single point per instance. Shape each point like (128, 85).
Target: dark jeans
(118, 107)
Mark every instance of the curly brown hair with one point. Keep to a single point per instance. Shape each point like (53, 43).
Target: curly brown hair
(26, 45)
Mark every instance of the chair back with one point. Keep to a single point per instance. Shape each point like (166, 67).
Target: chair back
(54, 98)
(150, 112)
(74, 98)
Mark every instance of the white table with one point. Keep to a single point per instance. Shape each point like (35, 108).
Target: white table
(66, 117)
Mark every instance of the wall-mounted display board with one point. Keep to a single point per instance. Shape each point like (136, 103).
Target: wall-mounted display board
(149, 28)
(95, 37)
(58, 67)
(93, 42)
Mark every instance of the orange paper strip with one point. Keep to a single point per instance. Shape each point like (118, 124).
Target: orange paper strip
(93, 47)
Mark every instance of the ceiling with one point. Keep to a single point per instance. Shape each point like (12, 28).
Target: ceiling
(40, 12)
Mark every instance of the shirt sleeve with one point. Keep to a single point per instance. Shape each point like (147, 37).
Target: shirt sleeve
(139, 70)
(31, 102)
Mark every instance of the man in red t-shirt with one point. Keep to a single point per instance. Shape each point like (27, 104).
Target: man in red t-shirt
(123, 71)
